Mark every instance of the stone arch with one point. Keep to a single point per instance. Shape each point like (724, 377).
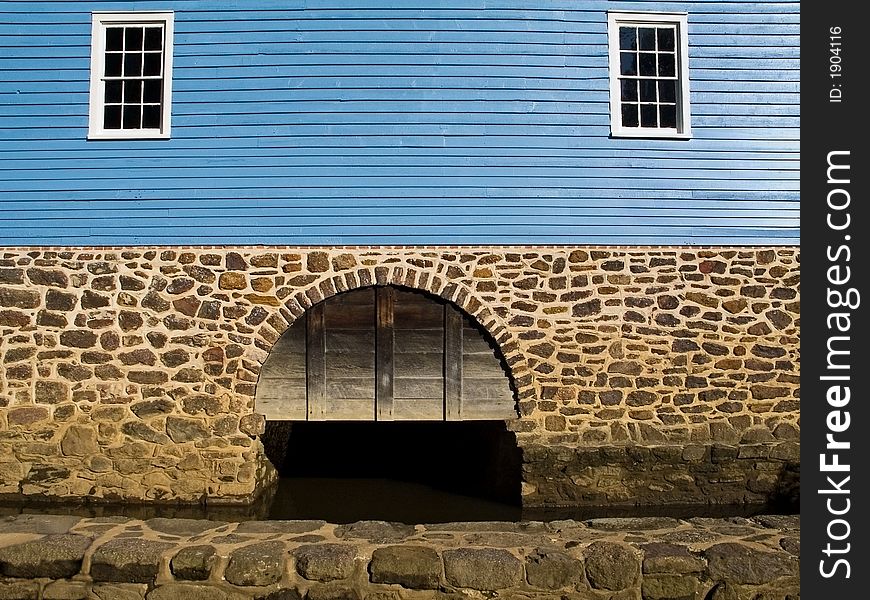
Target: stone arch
(431, 280)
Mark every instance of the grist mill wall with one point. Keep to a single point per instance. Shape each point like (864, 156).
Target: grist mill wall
(641, 375)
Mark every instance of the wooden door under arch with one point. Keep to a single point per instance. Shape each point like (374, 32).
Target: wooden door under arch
(384, 354)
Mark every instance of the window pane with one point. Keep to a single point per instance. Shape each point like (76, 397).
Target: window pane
(114, 38)
(668, 115)
(132, 92)
(647, 90)
(133, 65)
(628, 63)
(667, 65)
(628, 38)
(113, 92)
(152, 63)
(648, 63)
(132, 117)
(153, 38)
(646, 38)
(629, 115)
(151, 117)
(112, 117)
(648, 115)
(113, 64)
(153, 90)
(666, 39)
(629, 90)
(667, 91)
(133, 38)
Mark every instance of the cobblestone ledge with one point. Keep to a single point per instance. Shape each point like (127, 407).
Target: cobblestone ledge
(67, 558)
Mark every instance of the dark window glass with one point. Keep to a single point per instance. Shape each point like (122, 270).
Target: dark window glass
(666, 39)
(628, 63)
(133, 65)
(648, 115)
(114, 38)
(132, 117)
(668, 115)
(648, 64)
(667, 91)
(152, 64)
(647, 90)
(151, 117)
(667, 65)
(628, 38)
(629, 115)
(646, 38)
(153, 90)
(112, 117)
(153, 38)
(629, 90)
(113, 92)
(132, 38)
(113, 64)
(133, 91)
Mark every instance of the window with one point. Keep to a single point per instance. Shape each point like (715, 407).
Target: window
(649, 75)
(131, 75)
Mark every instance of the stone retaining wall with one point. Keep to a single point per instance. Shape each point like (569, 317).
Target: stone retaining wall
(54, 558)
(655, 475)
(132, 372)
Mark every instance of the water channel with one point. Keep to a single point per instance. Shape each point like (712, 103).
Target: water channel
(403, 472)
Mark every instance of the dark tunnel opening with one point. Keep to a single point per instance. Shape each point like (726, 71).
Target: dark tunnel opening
(411, 472)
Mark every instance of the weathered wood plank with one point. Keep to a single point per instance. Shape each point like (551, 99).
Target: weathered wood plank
(348, 410)
(420, 364)
(417, 316)
(293, 388)
(350, 364)
(453, 384)
(287, 358)
(352, 316)
(418, 409)
(482, 365)
(418, 387)
(341, 389)
(359, 297)
(316, 361)
(475, 342)
(488, 412)
(416, 340)
(288, 364)
(479, 388)
(349, 340)
(385, 359)
(282, 409)
(293, 340)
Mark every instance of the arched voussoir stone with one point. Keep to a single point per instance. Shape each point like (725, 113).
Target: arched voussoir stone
(410, 277)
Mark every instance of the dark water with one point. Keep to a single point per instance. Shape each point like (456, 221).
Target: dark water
(404, 472)
(344, 500)
(349, 500)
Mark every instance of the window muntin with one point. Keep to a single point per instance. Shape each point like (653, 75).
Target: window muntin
(648, 75)
(131, 67)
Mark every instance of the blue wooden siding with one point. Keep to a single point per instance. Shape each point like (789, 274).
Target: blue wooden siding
(400, 122)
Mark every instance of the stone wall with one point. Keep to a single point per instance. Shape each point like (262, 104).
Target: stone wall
(132, 372)
(641, 475)
(68, 558)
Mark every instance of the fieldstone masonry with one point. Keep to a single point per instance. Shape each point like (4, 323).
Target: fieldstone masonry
(53, 558)
(132, 372)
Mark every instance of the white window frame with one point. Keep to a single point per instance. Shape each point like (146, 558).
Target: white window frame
(615, 18)
(100, 21)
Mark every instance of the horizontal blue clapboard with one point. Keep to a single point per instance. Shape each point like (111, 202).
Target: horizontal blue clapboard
(403, 122)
